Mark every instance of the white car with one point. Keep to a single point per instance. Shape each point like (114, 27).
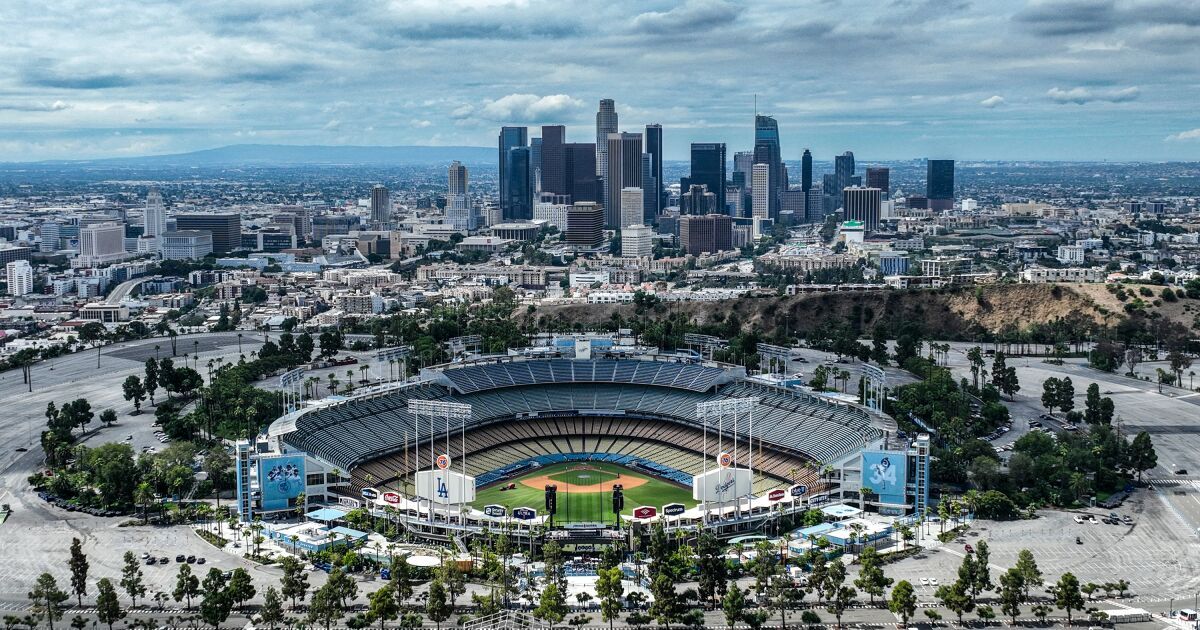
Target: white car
(1078, 519)
(924, 581)
(933, 582)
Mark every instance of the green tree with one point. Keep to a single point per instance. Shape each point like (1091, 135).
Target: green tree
(134, 392)
(79, 570)
(733, 605)
(325, 609)
(108, 606)
(842, 598)
(975, 358)
(215, 603)
(1012, 593)
(871, 579)
(402, 580)
(666, 600)
(903, 601)
(383, 606)
(150, 380)
(131, 578)
(46, 599)
(956, 598)
(294, 583)
(1050, 394)
(1067, 595)
(271, 611)
(1066, 395)
(611, 593)
(240, 587)
(438, 609)
(1028, 568)
(1141, 454)
(187, 585)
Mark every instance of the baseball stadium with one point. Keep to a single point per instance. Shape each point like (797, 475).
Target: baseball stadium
(581, 436)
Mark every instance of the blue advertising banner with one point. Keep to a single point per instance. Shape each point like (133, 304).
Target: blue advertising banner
(886, 474)
(280, 479)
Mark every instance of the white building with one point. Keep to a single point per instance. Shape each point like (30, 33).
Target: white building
(101, 243)
(969, 205)
(760, 178)
(20, 277)
(1070, 254)
(154, 215)
(552, 213)
(186, 244)
(632, 209)
(637, 241)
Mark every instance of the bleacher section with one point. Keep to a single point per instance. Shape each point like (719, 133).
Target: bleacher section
(480, 376)
(507, 396)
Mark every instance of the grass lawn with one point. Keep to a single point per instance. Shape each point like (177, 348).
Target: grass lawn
(588, 507)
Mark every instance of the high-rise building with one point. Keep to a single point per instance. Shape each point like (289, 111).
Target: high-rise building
(708, 170)
(652, 195)
(743, 162)
(880, 177)
(553, 159)
(457, 178)
(939, 184)
(154, 215)
(624, 157)
(535, 166)
(637, 241)
(49, 232)
(806, 171)
(698, 200)
(510, 138)
(633, 210)
(767, 151)
(328, 224)
(381, 206)
(579, 172)
(20, 277)
(763, 191)
(843, 173)
(706, 234)
(814, 207)
(654, 147)
(518, 204)
(226, 228)
(101, 243)
(188, 244)
(585, 224)
(606, 123)
(862, 204)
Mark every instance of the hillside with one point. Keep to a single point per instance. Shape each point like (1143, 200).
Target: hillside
(945, 314)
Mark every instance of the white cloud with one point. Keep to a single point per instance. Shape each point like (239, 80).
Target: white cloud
(530, 108)
(421, 124)
(1082, 96)
(1185, 136)
(992, 102)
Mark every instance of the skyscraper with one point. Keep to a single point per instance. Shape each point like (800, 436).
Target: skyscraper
(806, 171)
(767, 151)
(226, 228)
(457, 178)
(535, 166)
(743, 162)
(652, 197)
(708, 169)
(585, 224)
(760, 180)
(697, 200)
(843, 172)
(579, 171)
(862, 204)
(624, 157)
(939, 184)
(154, 215)
(20, 277)
(606, 123)
(879, 177)
(381, 205)
(654, 147)
(632, 209)
(706, 234)
(553, 159)
(517, 205)
(510, 138)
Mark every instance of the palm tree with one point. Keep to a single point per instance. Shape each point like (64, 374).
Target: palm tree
(363, 371)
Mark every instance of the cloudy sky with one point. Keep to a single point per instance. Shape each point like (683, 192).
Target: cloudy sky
(890, 79)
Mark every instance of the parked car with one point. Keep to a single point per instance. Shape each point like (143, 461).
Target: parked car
(180, 558)
(191, 559)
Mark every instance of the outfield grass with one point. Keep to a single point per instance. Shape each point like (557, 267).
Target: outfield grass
(589, 507)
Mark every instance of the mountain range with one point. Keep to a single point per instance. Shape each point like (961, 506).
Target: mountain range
(287, 155)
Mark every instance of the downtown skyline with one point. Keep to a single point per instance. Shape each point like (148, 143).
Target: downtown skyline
(1063, 80)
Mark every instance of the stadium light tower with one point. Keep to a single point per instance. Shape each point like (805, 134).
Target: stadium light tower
(738, 414)
(450, 413)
